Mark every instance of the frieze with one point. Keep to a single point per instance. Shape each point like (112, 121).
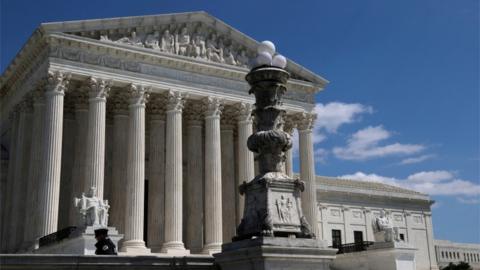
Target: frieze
(110, 61)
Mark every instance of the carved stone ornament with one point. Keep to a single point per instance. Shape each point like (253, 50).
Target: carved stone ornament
(175, 101)
(272, 198)
(98, 88)
(383, 229)
(138, 94)
(93, 210)
(190, 40)
(57, 82)
(212, 106)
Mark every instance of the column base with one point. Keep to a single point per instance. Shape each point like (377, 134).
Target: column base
(213, 248)
(175, 249)
(134, 247)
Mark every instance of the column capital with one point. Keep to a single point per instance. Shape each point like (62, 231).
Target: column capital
(213, 106)
(98, 88)
(244, 111)
(194, 112)
(290, 123)
(57, 82)
(138, 95)
(305, 121)
(228, 119)
(25, 105)
(175, 101)
(156, 107)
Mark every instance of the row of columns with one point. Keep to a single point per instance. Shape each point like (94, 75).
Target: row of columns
(43, 154)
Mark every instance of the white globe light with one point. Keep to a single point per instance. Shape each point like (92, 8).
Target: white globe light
(266, 46)
(263, 58)
(279, 61)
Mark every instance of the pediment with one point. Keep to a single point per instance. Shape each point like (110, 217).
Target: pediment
(193, 35)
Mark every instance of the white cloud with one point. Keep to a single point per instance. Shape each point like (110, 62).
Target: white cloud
(330, 117)
(469, 201)
(364, 144)
(429, 182)
(418, 159)
(430, 176)
(334, 114)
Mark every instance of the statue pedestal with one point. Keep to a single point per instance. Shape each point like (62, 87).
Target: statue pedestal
(80, 241)
(379, 256)
(263, 253)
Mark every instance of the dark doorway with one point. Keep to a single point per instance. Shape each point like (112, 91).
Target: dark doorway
(336, 238)
(358, 237)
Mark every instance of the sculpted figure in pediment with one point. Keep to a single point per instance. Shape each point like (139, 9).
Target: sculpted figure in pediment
(182, 42)
(104, 38)
(152, 41)
(167, 43)
(214, 49)
(132, 40)
(242, 59)
(229, 55)
(199, 49)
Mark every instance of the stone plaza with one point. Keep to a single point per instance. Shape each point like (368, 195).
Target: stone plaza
(148, 118)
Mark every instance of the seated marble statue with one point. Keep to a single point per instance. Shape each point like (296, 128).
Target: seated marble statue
(383, 229)
(167, 42)
(94, 211)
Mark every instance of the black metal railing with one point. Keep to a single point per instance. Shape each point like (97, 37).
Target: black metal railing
(352, 247)
(56, 236)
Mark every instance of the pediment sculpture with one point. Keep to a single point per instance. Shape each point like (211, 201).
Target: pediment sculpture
(93, 210)
(190, 40)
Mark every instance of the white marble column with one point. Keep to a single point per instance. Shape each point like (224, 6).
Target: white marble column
(307, 169)
(228, 174)
(36, 150)
(24, 136)
(368, 225)
(213, 177)
(7, 210)
(68, 147)
(79, 160)
(246, 164)
(174, 176)
(135, 196)
(95, 149)
(52, 153)
(289, 128)
(119, 162)
(194, 184)
(156, 172)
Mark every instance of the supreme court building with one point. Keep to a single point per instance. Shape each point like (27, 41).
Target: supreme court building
(154, 112)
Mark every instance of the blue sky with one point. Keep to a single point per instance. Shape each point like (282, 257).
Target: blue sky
(403, 103)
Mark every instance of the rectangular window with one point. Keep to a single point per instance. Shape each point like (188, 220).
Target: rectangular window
(358, 237)
(402, 237)
(336, 238)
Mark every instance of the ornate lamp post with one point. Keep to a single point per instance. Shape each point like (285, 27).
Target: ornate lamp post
(273, 233)
(272, 199)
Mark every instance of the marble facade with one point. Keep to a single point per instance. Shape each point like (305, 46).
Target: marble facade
(126, 105)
